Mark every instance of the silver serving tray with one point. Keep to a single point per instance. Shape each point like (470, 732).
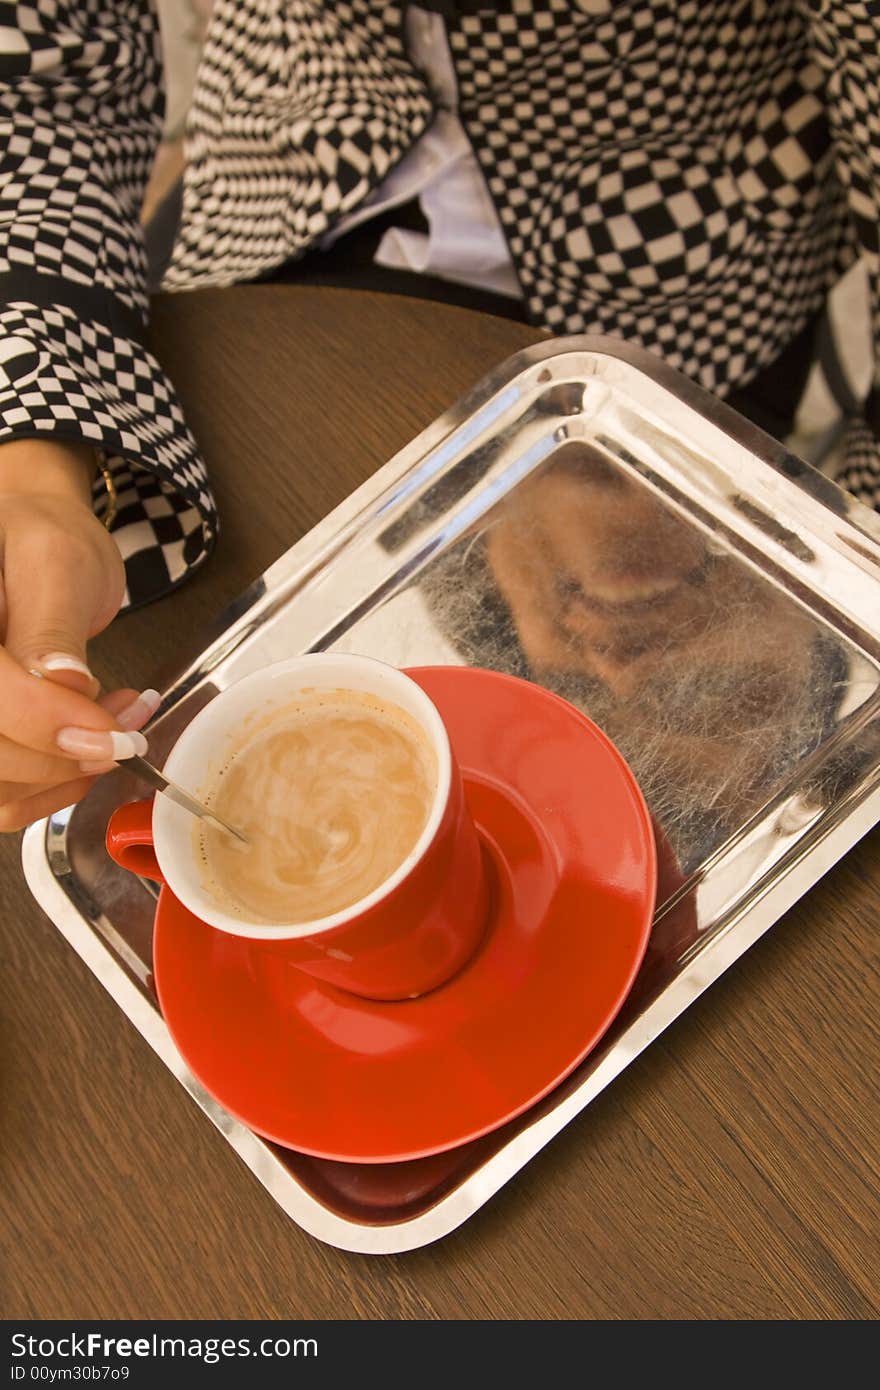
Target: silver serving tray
(589, 519)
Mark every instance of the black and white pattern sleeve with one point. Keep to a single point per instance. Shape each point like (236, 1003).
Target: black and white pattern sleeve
(846, 44)
(81, 112)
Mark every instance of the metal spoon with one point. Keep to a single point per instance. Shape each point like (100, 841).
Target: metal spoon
(154, 778)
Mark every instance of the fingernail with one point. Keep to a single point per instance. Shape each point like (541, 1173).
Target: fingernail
(139, 711)
(62, 661)
(95, 746)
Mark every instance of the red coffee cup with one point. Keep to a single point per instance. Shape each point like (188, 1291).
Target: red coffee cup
(413, 932)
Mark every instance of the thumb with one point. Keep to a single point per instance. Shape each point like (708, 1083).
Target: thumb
(48, 621)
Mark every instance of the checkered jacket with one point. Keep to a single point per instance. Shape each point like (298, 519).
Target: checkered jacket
(692, 175)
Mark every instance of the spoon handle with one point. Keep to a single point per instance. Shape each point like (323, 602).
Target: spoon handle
(154, 778)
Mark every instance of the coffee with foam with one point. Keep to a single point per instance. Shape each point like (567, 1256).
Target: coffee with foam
(332, 791)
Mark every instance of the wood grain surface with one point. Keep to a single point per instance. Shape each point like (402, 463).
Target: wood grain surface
(731, 1172)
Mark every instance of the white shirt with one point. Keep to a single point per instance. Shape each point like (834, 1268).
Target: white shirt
(464, 242)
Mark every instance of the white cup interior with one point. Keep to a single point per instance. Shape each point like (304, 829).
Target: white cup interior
(205, 746)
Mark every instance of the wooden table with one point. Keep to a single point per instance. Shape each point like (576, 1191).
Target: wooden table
(731, 1172)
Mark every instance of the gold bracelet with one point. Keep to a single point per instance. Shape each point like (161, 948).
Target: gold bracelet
(112, 502)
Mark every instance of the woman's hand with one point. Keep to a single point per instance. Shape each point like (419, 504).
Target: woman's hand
(61, 582)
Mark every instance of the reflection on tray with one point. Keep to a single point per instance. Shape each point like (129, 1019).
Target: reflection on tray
(714, 683)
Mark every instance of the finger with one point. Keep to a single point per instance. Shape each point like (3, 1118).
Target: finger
(15, 815)
(34, 711)
(133, 714)
(19, 764)
(131, 709)
(25, 765)
(53, 590)
(65, 670)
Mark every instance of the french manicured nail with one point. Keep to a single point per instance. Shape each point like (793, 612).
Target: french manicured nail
(135, 714)
(96, 746)
(139, 711)
(61, 661)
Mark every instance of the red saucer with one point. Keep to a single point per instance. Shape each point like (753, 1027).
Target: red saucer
(321, 1071)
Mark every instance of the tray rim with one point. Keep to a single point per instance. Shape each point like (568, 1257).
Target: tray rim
(815, 852)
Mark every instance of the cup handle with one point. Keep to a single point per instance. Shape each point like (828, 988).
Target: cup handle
(130, 840)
